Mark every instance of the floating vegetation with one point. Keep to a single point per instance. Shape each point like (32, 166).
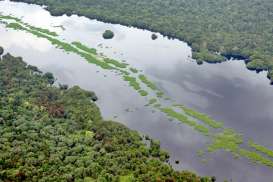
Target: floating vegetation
(260, 148)
(143, 93)
(202, 117)
(84, 48)
(115, 63)
(227, 140)
(133, 70)
(256, 158)
(157, 105)
(132, 82)
(184, 119)
(42, 30)
(147, 82)
(8, 17)
(152, 101)
(15, 26)
(230, 141)
(159, 94)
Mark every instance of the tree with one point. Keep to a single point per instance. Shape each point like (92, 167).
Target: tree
(108, 34)
(154, 36)
(1, 51)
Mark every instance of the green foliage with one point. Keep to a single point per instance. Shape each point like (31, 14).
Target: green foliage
(143, 93)
(230, 141)
(154, 36)
(208, 57)
(85, 48)
(115, 63)
(133, 70)
(184, 119)
(53, 134)
(202, 117)
(260, 148)
(147, 82)
(132, 82)
(108, 34)
(1, 51)
(210, 27)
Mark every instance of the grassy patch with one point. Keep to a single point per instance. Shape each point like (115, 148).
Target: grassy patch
(227, 140)
(260, 148)
(132, 82)
(159, 94)
(147, 82)
(202, 117)
(42, 30)
(115, 63)
(152, 101)
(184, 119)
(85, 48)
(257, 158)
(143, 93)
(133, 70)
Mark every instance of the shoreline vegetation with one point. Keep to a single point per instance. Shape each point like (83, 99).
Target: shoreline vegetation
(216, 31)
(51, 133)
(146, 88)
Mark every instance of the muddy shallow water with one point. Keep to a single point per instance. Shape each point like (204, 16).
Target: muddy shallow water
(228, 92)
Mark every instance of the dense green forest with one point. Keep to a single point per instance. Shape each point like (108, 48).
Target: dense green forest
(51, 133)
(214, 29)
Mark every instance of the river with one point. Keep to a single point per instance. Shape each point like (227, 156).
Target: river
(228, 92)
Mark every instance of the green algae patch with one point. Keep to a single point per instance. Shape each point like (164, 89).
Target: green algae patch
(147, 82)
(115, 63)
(157, 106)
(133, 70)
(159, 94)
(256, 158)
(184, 119)
(202, 117)
(132, 82)
(42, 30)
(85, 48)
(230, 141)
(260, 148)
(143, 93)
(62, 45)
(152, 101)
(8, 17)
(227, 140)
(15, 26)
(93, 60)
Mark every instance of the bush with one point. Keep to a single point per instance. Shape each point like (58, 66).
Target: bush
(108, 34)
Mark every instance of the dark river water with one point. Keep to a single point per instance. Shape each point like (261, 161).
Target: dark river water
(228, 92)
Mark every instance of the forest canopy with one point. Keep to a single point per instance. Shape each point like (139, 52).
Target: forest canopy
(51, 133)
(214, 29)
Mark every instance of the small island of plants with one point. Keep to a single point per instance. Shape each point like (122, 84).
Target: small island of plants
(108, 34)
(154, 36)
